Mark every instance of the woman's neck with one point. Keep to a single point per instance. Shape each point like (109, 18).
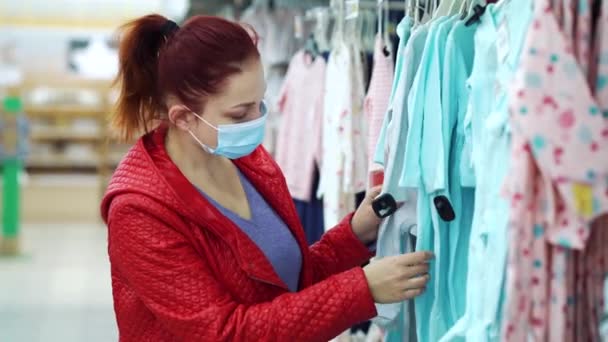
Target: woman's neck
(195, 163)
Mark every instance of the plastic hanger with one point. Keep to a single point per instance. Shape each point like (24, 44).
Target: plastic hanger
(472, 5)
(476, 10)
(319, 31)
(420, 11)
(444, 8)
(387, 38)
(311, 47)
(427, 14)
(463, 9)
(456, 7)
(338, 36)
(380, 14)
(383, 26)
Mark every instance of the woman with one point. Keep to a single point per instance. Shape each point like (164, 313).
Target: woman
(204, 240)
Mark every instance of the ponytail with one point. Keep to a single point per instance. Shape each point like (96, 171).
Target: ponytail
(140, 101)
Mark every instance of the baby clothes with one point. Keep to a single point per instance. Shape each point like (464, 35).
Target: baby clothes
(344, 162)
(301, 106)
(395, 232)
(433, 308)
(376, 101)
(563, 155)
(403, 32)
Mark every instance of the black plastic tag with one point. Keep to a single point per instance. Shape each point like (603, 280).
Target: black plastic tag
(384, 205)
(444, 208)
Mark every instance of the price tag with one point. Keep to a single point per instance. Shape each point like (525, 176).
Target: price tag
(352, 9)
(583, 195)
(376, 177)
(298, 27)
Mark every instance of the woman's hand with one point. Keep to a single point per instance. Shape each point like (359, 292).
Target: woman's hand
(365, 222)
(398, 278)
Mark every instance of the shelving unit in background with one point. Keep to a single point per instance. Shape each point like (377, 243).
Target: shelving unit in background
(69, 128)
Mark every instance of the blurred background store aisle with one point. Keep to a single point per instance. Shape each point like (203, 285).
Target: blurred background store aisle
(59, 288)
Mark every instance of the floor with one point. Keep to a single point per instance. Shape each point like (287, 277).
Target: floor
(59, 288)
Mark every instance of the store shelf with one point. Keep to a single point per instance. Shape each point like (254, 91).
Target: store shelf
(58, 161)
(64, 111)
(62, 161)
(65, 134)
(69, 130)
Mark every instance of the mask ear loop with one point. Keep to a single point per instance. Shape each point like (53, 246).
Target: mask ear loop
(205, 121)
(204, 146)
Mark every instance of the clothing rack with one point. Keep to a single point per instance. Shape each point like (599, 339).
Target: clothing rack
(311, 14)
(391, 5)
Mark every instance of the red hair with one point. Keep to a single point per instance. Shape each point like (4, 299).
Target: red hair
(189, 63)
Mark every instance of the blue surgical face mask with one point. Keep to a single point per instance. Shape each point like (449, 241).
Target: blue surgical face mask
(237, 140)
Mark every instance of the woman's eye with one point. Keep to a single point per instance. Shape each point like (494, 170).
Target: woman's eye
(239, 116)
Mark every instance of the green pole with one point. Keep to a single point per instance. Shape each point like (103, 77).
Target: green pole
(11, 169)
(11, 198)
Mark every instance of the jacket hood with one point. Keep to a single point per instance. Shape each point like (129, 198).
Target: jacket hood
(148, 170)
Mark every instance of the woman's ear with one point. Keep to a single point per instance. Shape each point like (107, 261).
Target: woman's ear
(181, 117)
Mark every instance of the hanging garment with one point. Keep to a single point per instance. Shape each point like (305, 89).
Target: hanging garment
(344, 162)
(441, 237)
(300, 136)
(604, 319)
(377, 99)
(396, 231)
(277, 44)
(403, 32)
(601, 79)
(275, 30)
(457, 66)
(418, 96)
(274, 81)
(311, 213)
(498, 42)
(411, 170)
(480, 82)
(563, 153)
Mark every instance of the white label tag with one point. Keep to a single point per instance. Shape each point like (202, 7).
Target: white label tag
(502, 42)
(352, 9)
(298, 27)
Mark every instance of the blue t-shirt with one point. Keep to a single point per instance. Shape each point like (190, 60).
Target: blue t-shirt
(269, 233)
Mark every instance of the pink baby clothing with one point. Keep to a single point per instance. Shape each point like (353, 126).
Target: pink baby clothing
(344, 156)
(377, 99)
(299, 138)
(558, 184)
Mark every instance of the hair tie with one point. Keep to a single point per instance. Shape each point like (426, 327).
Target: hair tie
(169, 27)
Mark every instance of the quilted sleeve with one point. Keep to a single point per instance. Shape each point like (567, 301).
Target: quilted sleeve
(179, 289)
(338, 250)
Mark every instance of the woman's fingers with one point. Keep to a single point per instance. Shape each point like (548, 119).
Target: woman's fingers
(418, 270)
(374, 191)
(415, 258)
(409, 294)
(416, 282)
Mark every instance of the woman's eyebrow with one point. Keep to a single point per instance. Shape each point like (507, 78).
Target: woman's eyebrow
(246, 104)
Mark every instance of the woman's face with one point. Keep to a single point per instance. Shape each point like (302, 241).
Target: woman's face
(239, 102)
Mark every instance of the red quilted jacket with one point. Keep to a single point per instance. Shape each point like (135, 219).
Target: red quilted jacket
(181, 271)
